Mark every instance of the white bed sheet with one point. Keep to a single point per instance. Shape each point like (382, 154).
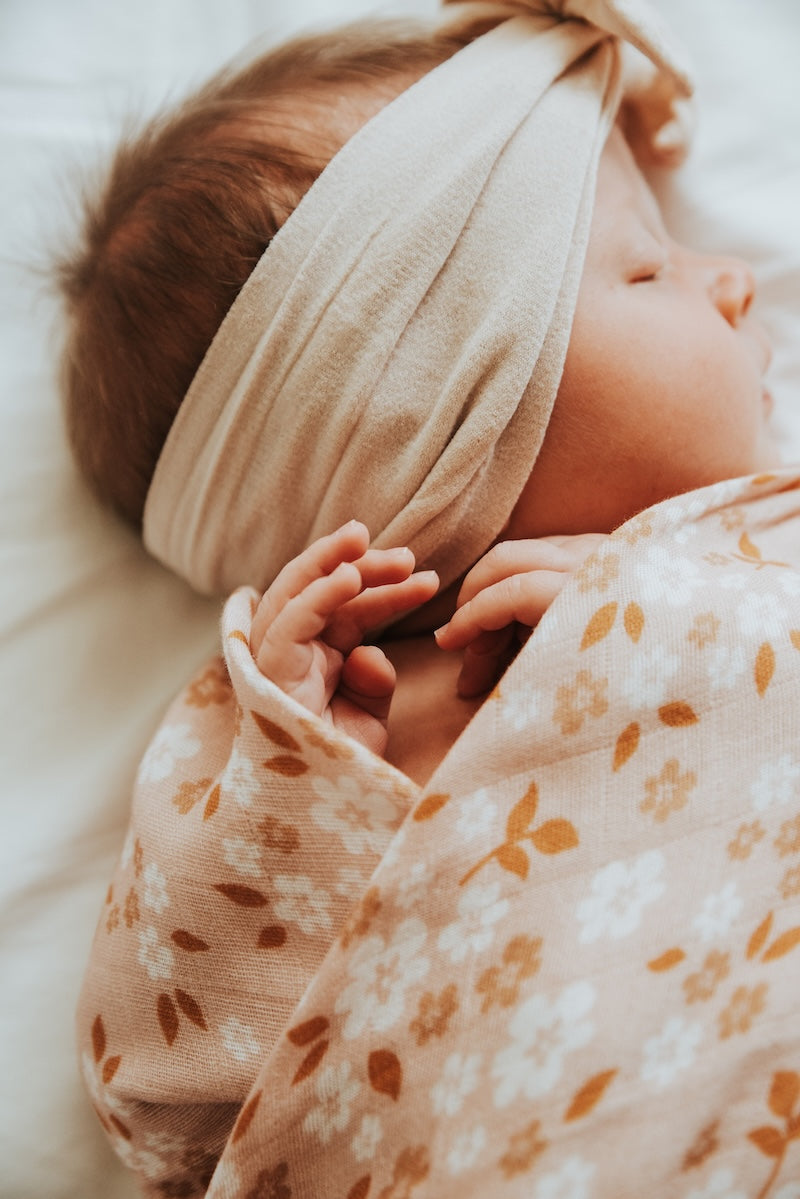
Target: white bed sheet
(94, 638)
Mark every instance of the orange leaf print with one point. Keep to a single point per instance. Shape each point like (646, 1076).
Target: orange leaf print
(634, 621)
(795, 636)
(759, 937)
(188, 941)
(668, 959)
(513, 859)
(385, 1072)
(764, 667)
(782, 945)
(554, 836)
(600, 625)
(272, 936)
(429, 806)
(212, 803)
(110, 1066)
(98, 1038)
(589, 1095)
(627, 744)
(677, 715)
(769, 1140)
(286, 765)
(245, 897)
(360, 1189)
(309, 1030)
(784, 1093)
(522, 813)
(191, 1008)
(311, 1061)
(246, 1117)
(275, 733)
(749, 550)
(167, 1017)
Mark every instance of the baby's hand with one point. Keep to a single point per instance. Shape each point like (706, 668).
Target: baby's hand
(308, 629)
(504, 595)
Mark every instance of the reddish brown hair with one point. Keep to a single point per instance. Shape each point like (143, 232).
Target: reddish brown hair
(188, 208)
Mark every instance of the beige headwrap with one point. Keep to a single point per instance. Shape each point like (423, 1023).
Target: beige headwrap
(396, 353)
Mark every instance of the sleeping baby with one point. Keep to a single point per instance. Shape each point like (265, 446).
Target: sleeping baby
(383, 334)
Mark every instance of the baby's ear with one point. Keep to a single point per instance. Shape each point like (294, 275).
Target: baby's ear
(658, 122)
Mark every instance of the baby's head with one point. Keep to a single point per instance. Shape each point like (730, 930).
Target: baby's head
(189, 207)
(661, 388)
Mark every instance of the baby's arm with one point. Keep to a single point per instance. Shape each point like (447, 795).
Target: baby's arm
(503, 597)
(308, 630)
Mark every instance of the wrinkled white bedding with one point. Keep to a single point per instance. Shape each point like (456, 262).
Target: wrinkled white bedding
(94, 638)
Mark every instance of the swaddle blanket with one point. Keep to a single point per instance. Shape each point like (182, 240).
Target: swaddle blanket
(567, 967)
(395, 354)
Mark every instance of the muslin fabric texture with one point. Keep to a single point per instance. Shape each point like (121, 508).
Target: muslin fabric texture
(565, 967)
(396, 353)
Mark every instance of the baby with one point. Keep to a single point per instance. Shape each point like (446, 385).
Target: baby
(661, 389)
(385, 335)
(662, 392)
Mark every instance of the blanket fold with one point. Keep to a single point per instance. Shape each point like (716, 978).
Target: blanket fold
(565, 967)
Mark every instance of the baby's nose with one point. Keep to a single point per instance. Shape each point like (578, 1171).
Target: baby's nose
(731, 287)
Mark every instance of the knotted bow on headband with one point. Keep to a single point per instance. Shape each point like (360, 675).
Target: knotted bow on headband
(396, 352)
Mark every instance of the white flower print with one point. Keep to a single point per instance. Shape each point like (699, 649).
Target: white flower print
(466, 1149)
(157, 959)
(244, 856)
(458, 1079)
(171, 744)
(367, 1139)
(381, 973)
(670, 1051)
(239, 1039)
(778, 783)
(412, 888)
(302, 903)
(721, 1185)
(761, 615)
(719, 911)
(479, 908)
(620, 892)
(570, 1181)
(725, 664)
(648, 676)
(143, 1160)
(336, 1091)
(364, 821)
(239, 779)
(666, 577)
(542, 1034)
(351, 882)
(477, 816)
(155, 888)
(522, 710)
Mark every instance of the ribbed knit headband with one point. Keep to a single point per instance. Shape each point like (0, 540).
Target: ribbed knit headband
(396, 352)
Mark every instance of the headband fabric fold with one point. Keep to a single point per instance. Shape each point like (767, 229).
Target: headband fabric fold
(396, 353)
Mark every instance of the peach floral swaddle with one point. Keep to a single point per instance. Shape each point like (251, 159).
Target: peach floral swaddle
(567, 967)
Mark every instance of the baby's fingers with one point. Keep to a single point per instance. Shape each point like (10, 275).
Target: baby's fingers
(523, 598)
(317, 561)
(376, 606)
(283, 653)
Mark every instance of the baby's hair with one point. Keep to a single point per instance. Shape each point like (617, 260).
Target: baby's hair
(187, 210)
